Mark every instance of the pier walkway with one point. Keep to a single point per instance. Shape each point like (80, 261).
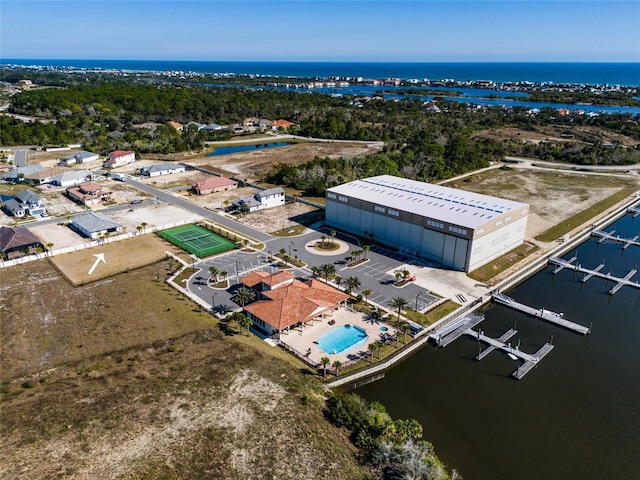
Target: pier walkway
(634, 210)
(444, 337)
(541, 313)
(609, 236)
(620, 282)
(530, 360)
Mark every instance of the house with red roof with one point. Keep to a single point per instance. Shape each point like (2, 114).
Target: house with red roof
(213, 184)
(281, 124)
(118, 158)
(285, 302)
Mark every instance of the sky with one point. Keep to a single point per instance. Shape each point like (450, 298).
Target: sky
(322, 30)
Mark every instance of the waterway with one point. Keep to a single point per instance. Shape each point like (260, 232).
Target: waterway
(245, 148)
(575, 416)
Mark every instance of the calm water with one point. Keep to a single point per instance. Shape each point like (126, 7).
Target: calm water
(575, 416)
(591, 73)
(245, 148)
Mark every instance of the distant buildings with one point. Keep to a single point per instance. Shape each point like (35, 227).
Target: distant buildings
(71, 178)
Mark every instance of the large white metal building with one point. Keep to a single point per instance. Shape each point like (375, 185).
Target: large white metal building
(458, 229)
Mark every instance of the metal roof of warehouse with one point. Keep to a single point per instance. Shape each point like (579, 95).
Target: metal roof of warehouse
(447, 204)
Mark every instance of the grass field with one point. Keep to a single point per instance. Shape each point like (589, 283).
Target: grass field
(121, 256)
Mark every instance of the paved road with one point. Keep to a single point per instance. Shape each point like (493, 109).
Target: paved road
(203, 212)
(20, 158)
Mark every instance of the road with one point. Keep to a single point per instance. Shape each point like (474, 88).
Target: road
(20, 158)
(203, 212)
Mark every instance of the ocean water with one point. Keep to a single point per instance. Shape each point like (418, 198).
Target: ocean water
(589, 73)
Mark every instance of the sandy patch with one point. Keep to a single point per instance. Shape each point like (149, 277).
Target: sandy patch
(286, 216)
(154, 215)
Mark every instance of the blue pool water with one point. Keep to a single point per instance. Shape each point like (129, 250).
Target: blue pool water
(245, 148)
(341, 339)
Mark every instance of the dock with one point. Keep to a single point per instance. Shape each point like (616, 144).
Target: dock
(609, 236)
(589, 273)
(635, 211)
(563, 266)
(452, 332)
(529, 360)
(541, 313)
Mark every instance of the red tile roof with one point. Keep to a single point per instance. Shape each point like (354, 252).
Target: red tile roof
(214, 182)
(293, 303)
(119, 153)
(281, 124)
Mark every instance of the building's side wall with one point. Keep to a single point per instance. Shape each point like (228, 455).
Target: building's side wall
(496, 243)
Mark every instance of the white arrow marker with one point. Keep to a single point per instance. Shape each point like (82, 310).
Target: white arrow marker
(99, 258)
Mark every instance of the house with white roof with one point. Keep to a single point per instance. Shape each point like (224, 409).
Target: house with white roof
(458, 229)
(78, 157)
(94, 224)
(162, 169)
(25, 203)
(119, 158)
(70, 178)
(269, 198)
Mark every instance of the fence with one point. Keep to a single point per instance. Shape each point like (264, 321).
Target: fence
(92, 243)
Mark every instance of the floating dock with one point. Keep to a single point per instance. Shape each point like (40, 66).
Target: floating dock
(541, 313)
(634, 210)
(609, 236)
(589, 273)
(529, 360)
(454, 331)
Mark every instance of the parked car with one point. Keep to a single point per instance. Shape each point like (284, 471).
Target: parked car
(136, 201)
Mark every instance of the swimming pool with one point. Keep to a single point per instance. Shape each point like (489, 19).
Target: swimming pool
(342, 338)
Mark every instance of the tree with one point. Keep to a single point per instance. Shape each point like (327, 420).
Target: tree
(323, 238)
(242, 296)
(324, 361)
(333, 236)
(372, 348)
(243, 321)
(365, 249)
(350, 284)
(213, 270)
(139, 229)
(366, 292)
(328, 269)
(398, 303)
(315, 271)
(50, 246)
(404, 328)
(379, 346)
(144, 226)
(224, 274)
(337, 364)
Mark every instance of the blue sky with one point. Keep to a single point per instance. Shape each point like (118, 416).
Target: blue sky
(322, 30)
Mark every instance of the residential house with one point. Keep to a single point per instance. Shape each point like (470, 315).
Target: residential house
(176, 125)
(18, 174)
(25, 203)
(286, 302)
(211, 127)
(119, 158)
(94, 224)
(214, 184)
(281, 124)
(193, 125)
(162, 169)
(88, 193)
(79, 157)
(43, 176)
(251, 122)
(71, 178)
(17, 242)
(272, 197)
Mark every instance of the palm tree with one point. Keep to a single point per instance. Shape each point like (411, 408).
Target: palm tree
(224, 274)
(365, 293)
(315, 271)
(242, 296)
(333, 236)
(372, 348)
(379, 346)
(244, 322)
(404, 328)
(323, 238)
(139, 229)
(398, 303)
(351, 283)
(327, 270)
(337, 364)
(324, 361)
(213, 270)
(355, 254)
(144, 225)
(49, 246)
(365, 249)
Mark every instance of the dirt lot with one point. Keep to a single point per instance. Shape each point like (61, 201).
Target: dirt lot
(553, 196)
(120, 256)
(116, 380)
(579, 134)
(287, 216)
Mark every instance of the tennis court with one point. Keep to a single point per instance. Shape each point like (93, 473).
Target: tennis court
(197, 240)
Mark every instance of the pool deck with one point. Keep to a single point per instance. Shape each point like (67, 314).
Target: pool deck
(303, 340)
